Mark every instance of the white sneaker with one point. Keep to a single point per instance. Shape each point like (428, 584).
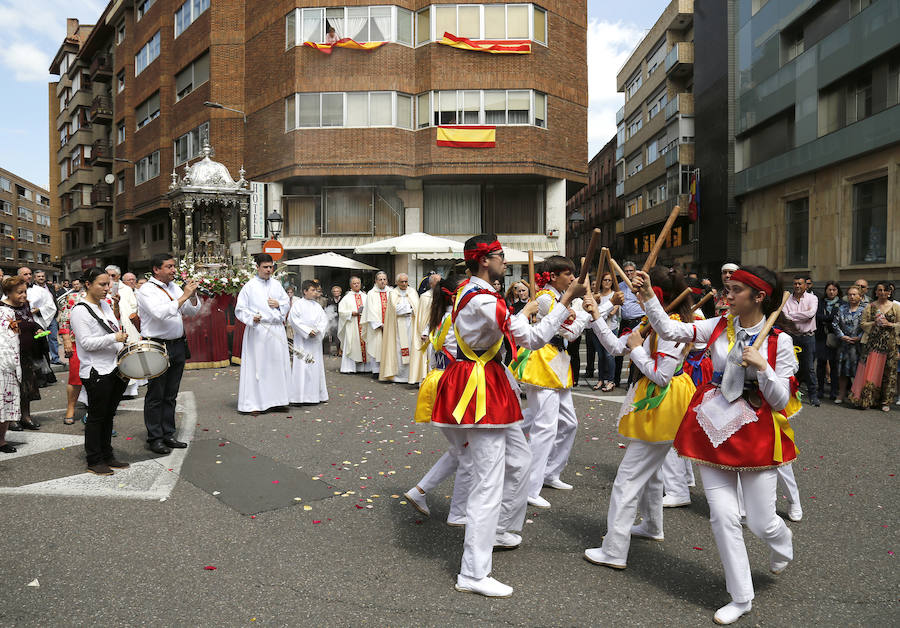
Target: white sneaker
(558, 484)
(795, 512)
(597, 556)
(641, 531)
(507, 541)
(538, 502)
(456, 522)
(487, 587)
(417, 500)
(670, 501)
(732, 612)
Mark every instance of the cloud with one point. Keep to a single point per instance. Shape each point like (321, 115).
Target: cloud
(27, 61)
(609, 44)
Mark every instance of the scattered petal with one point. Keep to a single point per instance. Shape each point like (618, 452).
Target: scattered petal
(33, 583)
(209, 568)
(698, 548)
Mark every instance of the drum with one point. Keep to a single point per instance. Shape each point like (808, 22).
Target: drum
(144, 359)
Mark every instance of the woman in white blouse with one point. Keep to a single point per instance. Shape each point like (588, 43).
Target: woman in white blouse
(99, 341)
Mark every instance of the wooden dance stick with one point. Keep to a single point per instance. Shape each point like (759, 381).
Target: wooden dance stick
(661, 239)
(531, 280)
(702, 301)
(770, 322)
(618, 269)
(601, 268)
(589, 256)
(671, 307)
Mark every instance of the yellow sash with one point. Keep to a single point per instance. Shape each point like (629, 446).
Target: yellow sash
(477, 383)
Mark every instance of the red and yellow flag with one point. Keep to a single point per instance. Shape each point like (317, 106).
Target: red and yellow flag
(467, 136)
(503, 46)
(346, 42)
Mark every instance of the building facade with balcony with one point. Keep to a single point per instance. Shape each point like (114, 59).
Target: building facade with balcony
(346, 142)
(817, 124)
(27, 227)
(599, 207)
(656, 136)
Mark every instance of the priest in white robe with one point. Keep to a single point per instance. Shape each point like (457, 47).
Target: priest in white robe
(355, 356)
(418, 360)
(399, 329)
(373, 318)
(309, 321)
(265, 363)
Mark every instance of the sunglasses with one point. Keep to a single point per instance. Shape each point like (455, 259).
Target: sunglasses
(501, 255)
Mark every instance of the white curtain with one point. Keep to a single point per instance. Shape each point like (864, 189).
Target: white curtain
(355, 25)
(311, 28)
(348, 210)
(453, 209)
(381, 19)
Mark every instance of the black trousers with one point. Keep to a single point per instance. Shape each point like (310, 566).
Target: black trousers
(574, 351)
(629, 323)
(159, 402)
(104, 393)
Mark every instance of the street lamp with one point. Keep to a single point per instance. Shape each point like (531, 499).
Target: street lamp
(217, 105)
(275, 223)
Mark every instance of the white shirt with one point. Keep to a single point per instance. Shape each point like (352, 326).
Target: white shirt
(159, 313)
(97, 348)
(39, 298)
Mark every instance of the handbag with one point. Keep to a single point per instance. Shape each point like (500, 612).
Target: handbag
(832, 341)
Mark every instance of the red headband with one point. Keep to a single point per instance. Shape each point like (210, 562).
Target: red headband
(482, 249)
(752, 280)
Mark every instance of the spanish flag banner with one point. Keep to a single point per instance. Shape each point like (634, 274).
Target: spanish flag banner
(504, 46)
(346, 42)
(467, 136)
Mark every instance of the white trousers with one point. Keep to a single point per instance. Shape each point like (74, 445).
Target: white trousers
(497, 460)
(757, 489)
(788, 483)
(638, 486)
(447, 465)
(551, 434)
(677, 475)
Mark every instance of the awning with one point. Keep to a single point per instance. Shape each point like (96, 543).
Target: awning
(330, 260)
(326, 243)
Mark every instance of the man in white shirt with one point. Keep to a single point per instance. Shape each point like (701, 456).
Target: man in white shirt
(373, 319)
(265, 362)
(399, 327)
(355, 356)
(161, 304)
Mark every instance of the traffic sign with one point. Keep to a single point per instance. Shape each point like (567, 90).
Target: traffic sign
(273, 248)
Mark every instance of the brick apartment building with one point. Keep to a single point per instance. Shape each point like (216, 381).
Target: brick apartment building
(599, 207)
(26, 227)
(345, 141)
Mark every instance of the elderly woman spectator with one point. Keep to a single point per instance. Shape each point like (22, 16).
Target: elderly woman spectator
(10, 371)
(845, 325)
(827, 341)
(880, 324)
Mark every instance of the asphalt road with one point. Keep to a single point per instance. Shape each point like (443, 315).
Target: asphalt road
(349, 552)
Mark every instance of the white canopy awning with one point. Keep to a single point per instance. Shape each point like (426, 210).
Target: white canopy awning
(330, 260)
(417, 243)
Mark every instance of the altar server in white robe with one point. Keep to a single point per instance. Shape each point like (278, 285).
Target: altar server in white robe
(310, 323)
(265, 364)
(373, 318)
(400, 325)
(355, 356)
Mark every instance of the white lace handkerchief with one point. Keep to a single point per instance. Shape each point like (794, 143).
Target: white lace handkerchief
(721, 419)
(627, 404)
(560, 366)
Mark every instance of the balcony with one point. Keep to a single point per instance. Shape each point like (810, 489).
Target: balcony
(620, 115)
(81, 98)
(682, 103)
(101, 69)
(645, 176)
(653, 215)
(102, 195)
(101, 153)
(620, 189)
(680, 15)
(680, 154)
(80, 216)
(102, 110)
(680, 60)
(620, 152)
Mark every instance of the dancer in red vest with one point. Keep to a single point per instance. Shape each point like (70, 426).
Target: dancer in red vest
(478, 402)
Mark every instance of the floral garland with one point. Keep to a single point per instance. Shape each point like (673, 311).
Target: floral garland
(228, 279)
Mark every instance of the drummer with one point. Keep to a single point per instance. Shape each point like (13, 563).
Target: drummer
(99, 340)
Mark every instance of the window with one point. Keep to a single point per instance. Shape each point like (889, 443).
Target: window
(42, 220)
(187, 13)
(423, 26)
(362, 24)
(656, 104)
(870, 221)
(348, 210)
(656, 58)
(5, 184)
(348, 109)
(633, 85)
(120, 183)
(120, 32)
(190, 144)
(26, 214)
(540, 109)
(191, 77)
(452, 209)
(147, 54)
(44, 238)
(481, 21)
(7, 208)
(143, 7)
(797, 222)
(858, 5)
(635, 164)
(6, 230)
(652, 152)
(26, 235)
(147, 110)
(147, 168)
(63, 169)
(7, 252)
(120, 82)
(120, 132)
(859, 99)
(76, 159)
(540, 25)
(27, 256)
(635, 125)
(157, 231)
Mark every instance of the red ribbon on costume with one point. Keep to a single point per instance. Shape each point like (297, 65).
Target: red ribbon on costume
(658, 292)
(752, 280)
(482, 249)
(501, 314)
(447, 292)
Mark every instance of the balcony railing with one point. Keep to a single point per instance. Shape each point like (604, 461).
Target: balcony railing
(101, 194)
(620, 189)
(102, 109)
(101, 68)
(620, 115)
(101, 151)
(682, 103)
(620, 152)
(680, 56)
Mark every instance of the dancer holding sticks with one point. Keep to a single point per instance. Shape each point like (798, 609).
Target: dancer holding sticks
(737, 424)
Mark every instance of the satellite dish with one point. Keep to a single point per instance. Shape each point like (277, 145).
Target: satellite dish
(109, 178)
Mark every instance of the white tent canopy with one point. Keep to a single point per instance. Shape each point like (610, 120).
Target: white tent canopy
(411, 243)
(513, 256)
(330, 260)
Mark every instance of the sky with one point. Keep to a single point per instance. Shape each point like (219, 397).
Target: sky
(34, 29)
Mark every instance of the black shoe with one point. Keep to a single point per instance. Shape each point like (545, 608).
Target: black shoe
(174, 444)
(15, 427)
(815, 401)
(6, 448)
(32, 425)
(158, 447)
(101, 468)
(117, 464)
